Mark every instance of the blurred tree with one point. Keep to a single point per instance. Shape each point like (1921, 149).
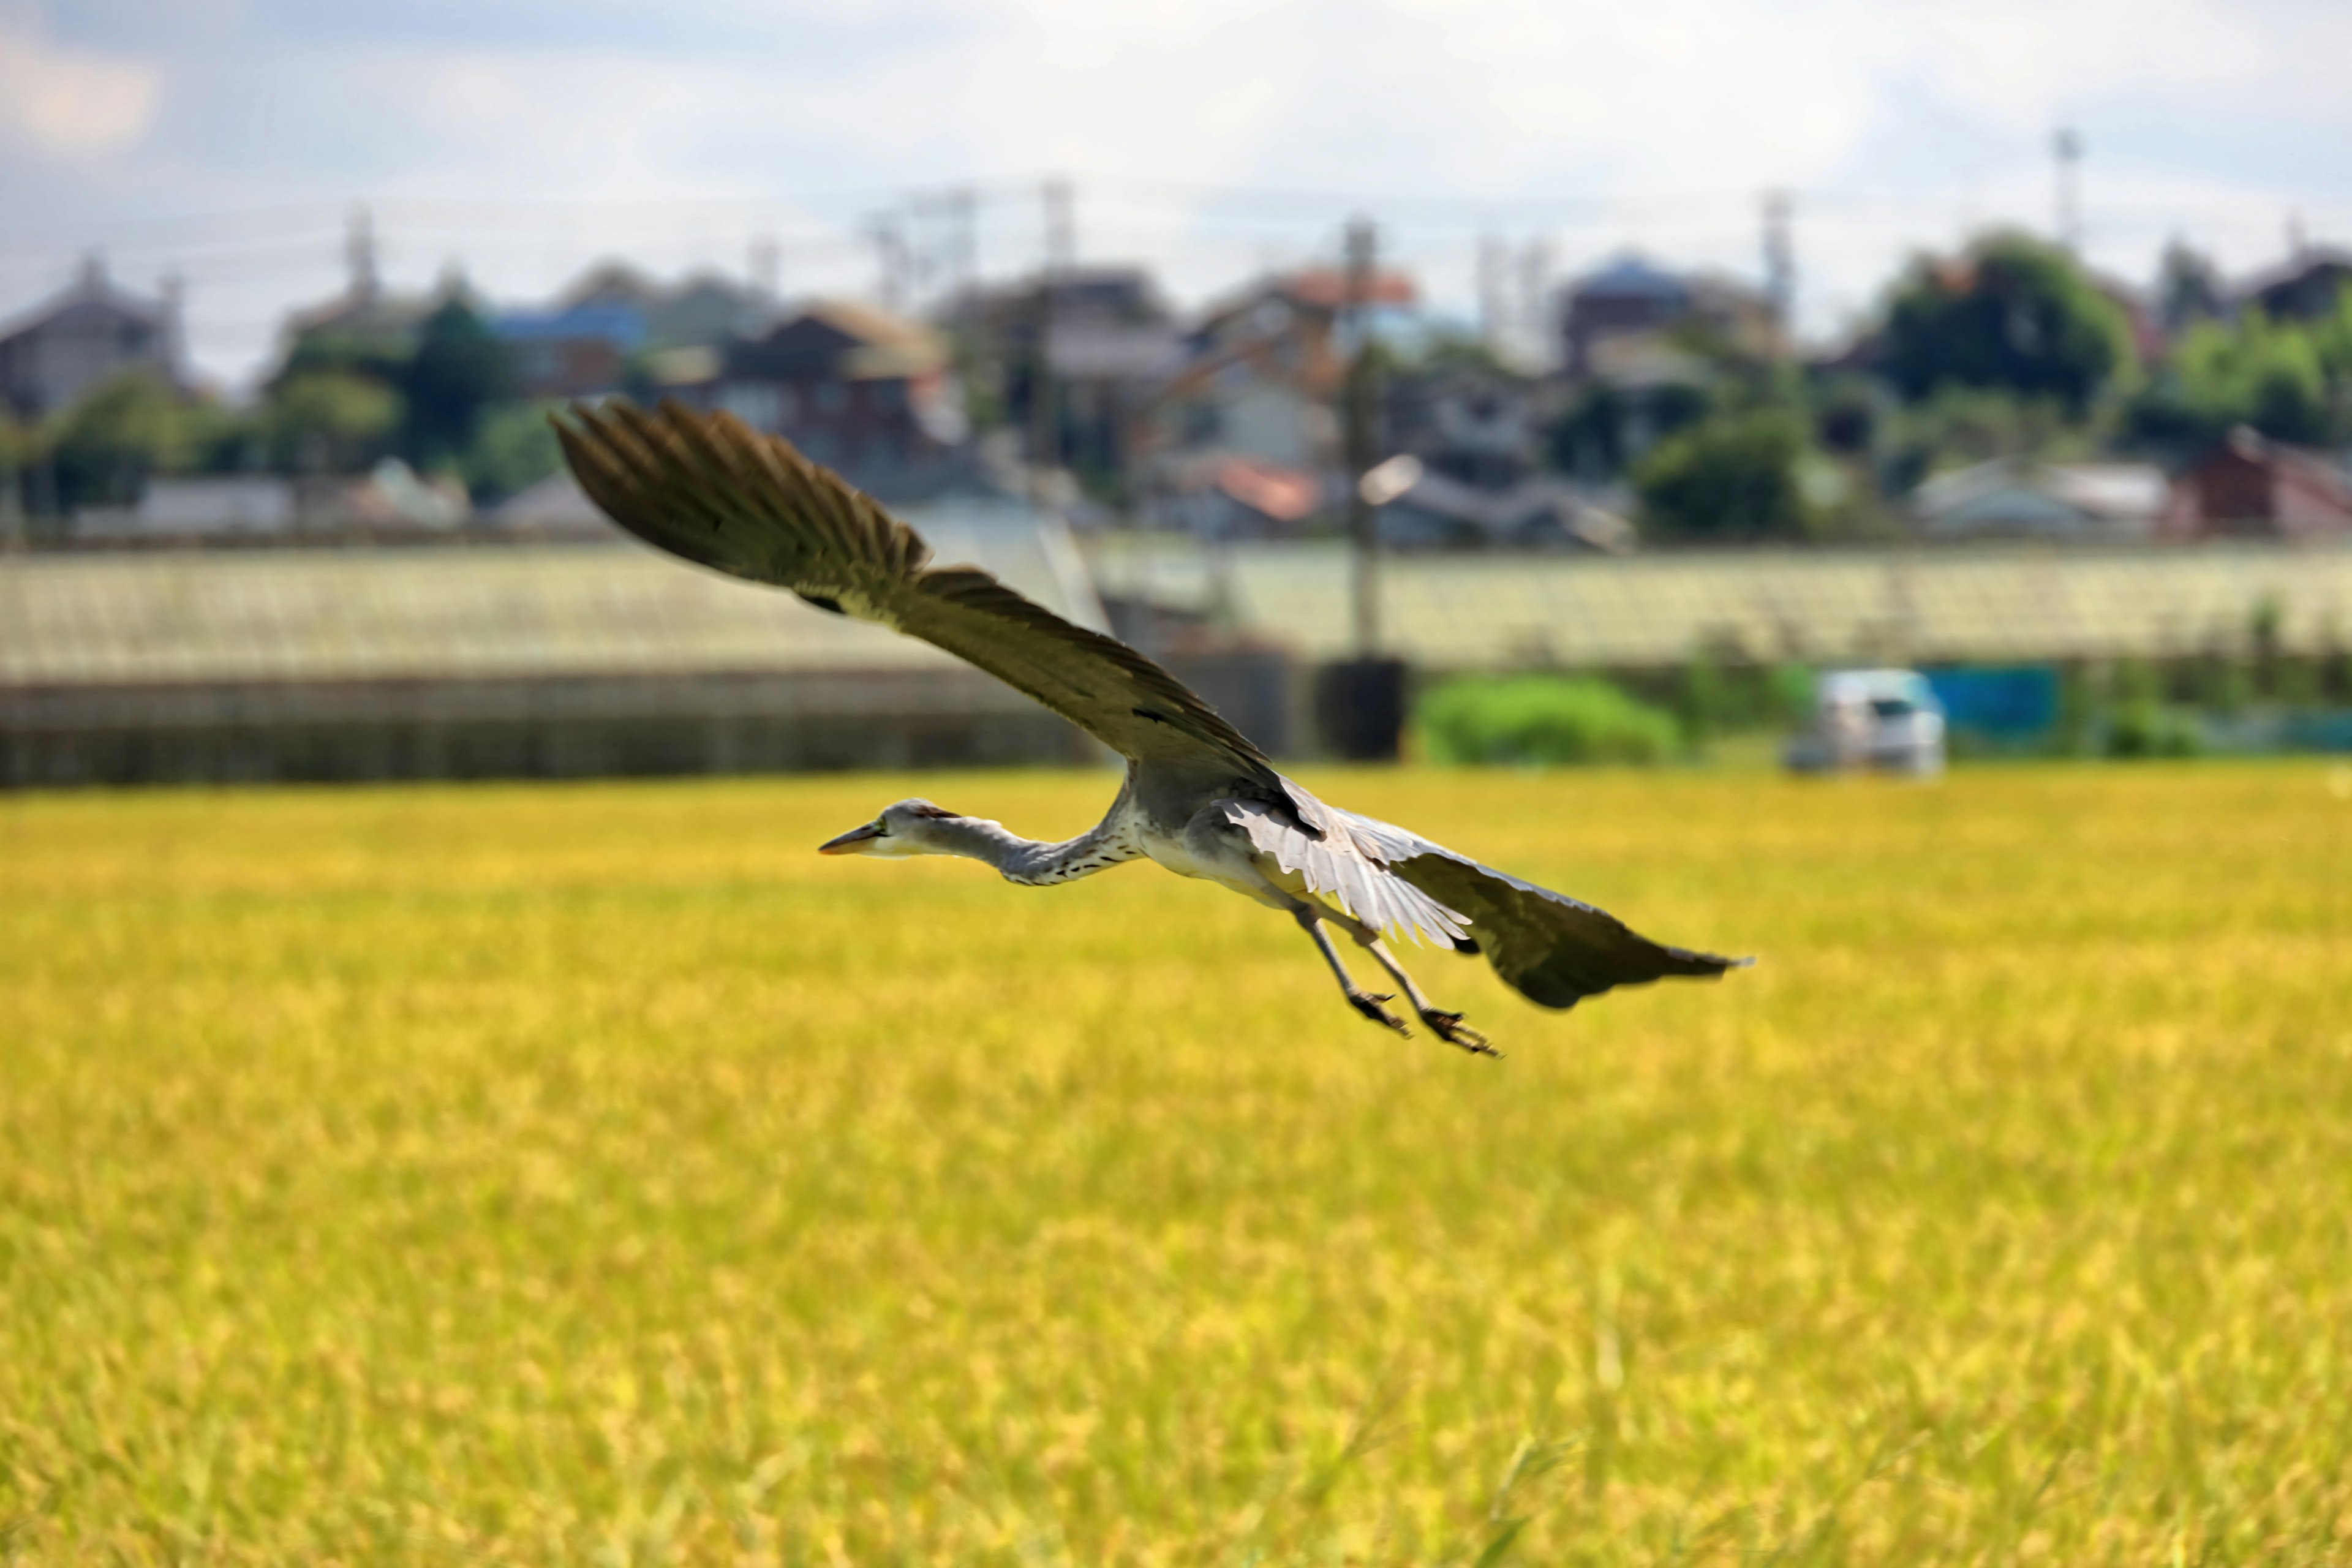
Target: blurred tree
(2271, 375)
(101, 449)
(459, 369)
(516, 447)
(1736, 476)
(332, 421)
(2188, 288)
(2014, 313)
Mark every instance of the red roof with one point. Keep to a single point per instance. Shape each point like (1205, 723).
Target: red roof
(1326, 286)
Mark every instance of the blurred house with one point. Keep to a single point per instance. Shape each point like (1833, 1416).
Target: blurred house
(705, 311)
(2020, 498)
(2252, 487)
(1632, 321)
(2305, 287)
(577, 350)
(859, 389)
(1261, 372)
(367, 318)
(390, 502)
(208, 505)
(82, 338)
(1536, 511)
(1223, 495)
(1110, 339)
(1476, 425)
(587, 343)
(1465, 472)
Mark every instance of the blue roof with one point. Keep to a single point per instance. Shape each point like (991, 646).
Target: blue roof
(1631, 274)
(621, 325)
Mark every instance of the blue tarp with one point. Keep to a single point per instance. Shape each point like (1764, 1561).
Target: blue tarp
(2018, 701)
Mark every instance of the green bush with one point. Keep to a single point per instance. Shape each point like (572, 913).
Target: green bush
(1524, 719)
(2140, 727)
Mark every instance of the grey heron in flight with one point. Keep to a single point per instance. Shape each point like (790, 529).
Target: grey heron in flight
(1199, 798)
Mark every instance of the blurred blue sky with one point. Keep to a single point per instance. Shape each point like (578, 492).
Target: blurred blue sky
(227, 138)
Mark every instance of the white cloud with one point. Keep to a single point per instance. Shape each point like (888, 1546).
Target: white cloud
(584, 127)
(69, 102)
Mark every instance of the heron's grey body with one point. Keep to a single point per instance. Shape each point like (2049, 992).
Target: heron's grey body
(1199, 798)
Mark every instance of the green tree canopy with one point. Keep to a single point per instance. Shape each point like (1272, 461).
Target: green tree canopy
(2290, 380)
(2014, 313)
(1736, 476)
(459, 369)
(332, 421)
(103, 448)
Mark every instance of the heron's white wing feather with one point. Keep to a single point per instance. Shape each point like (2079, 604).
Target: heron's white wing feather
(1347, 867)
(1546, 946)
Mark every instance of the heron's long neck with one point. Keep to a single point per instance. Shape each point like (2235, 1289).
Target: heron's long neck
(1033, 862)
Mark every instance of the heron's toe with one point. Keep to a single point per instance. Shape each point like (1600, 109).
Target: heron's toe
(1369, 1004)
(1449, 1027)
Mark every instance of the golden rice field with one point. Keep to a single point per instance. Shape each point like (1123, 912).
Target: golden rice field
(593, 1174)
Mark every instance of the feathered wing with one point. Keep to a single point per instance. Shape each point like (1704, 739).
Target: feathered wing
(1546, 946)
(708, 488)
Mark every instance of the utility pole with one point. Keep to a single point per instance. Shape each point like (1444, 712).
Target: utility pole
(1493, 323)
(1357, 456)
(1359, 701)
(1061, 224)
(964, 207)
(767, 265)
(359, 251)
(889, 234)
(1535, 286)
(1045, 411)
(1781, 267)
(2066, 146)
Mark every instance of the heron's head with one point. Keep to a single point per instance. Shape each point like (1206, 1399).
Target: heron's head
(908, 827)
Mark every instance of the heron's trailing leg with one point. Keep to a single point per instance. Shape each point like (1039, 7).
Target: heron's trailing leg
(1447, 1027)
(1368, 1003)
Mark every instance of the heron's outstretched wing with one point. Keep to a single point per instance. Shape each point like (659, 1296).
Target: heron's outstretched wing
(1546, 946)
(706, 486)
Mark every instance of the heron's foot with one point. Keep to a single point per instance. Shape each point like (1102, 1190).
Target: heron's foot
(1368, 1003)
(1449, 1027)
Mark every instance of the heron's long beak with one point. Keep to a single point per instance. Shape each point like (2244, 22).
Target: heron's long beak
(851, 842)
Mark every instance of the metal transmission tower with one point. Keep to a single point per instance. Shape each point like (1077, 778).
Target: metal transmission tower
(2066, 147)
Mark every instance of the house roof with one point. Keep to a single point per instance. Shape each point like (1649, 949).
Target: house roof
(610, 282)
(2030, 494)
(90, 289)
(1631, 275)
(621, 325)
(1326, 288)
